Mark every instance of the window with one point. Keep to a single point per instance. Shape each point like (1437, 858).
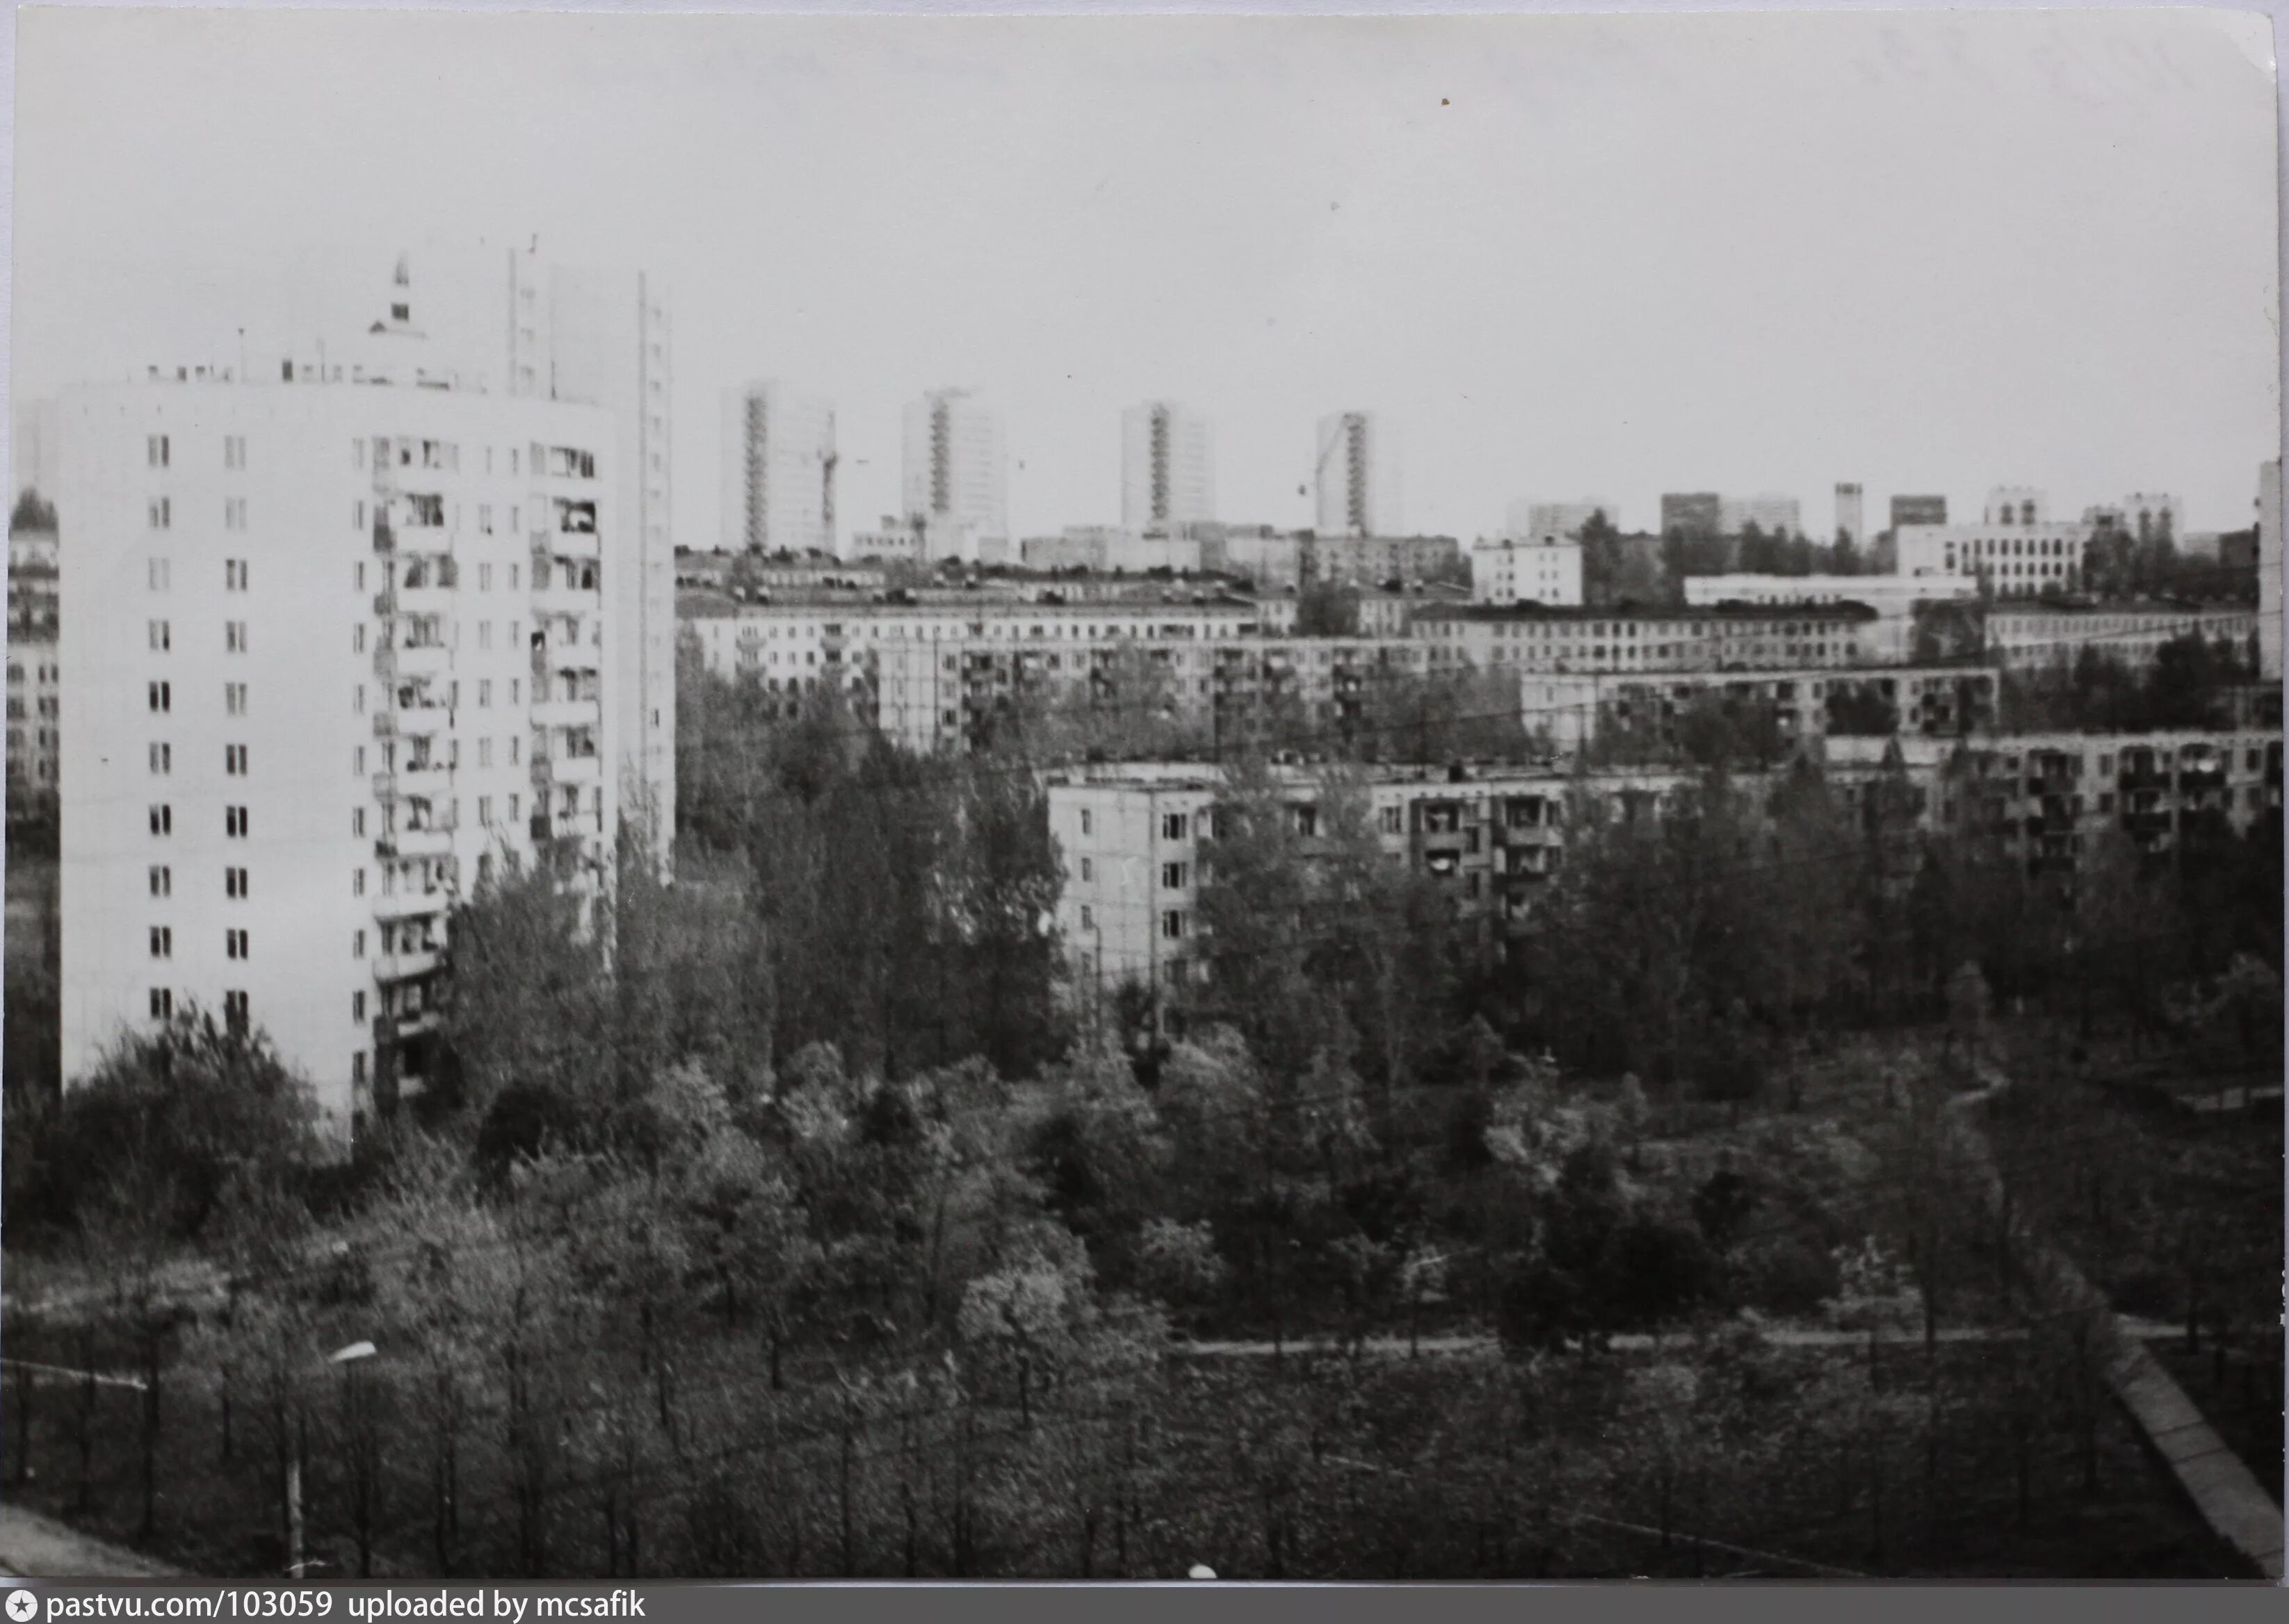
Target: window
(361, 577)
(485, 693)
(234, 944)
(155, 450)
(513, 799)
(233, 512)
(234, 699)
(234, 636)
(1173, 876)
(1173, 826)
(234, 761)
(233, 450)
(234, 1013)
(485, 811)
(1088, 869)
(163, 1004)
(162, 941)
(155, 573)
(233, 575)
(357, 944)
(357, 638)
(162, 637)
(484, 634)
(233, 883)
(1172, 925)
(357, 882)
(485, 571)
(1085, 820)
(233, 822)
(357, 823)
(163, 697)
(161, 513)
(162, 881)
(162, 759)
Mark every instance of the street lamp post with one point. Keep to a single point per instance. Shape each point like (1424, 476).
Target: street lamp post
(348, 1358)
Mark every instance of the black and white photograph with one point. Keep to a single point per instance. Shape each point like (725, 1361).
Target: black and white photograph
(1124, 798)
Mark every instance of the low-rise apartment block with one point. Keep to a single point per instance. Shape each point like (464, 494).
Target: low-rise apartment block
(1137, 841)
(1577, 708)
(1532, 571)
(1742, 637)
(2047, 796)
(2036, 634)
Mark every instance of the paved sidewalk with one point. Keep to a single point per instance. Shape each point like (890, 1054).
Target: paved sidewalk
(37, 1547)
(2221, 1487)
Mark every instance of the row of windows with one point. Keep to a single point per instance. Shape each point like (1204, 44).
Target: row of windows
(549, 461)
(234, 1008)
(161, 636)
(162, 759)
(159, 513)
(158, 452)
(236, 821)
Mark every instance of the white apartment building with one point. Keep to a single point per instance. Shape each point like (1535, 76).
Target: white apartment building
(1102, 548)
(1534, 572)
(34, 443)
(778, 470)
(1573, 708)
(956, 478)
(2269, 570)
(1356, 475)
(1168, 466)
(2142, 515)
(610, 342)
(1893, 597)
(1731, 637)
(360, 644)
(2016, 552)
(2031, 634)
(1531, 521)
(1851, 512)
(1774, 515)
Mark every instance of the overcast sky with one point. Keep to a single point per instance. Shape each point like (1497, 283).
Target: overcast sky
(1563, 256)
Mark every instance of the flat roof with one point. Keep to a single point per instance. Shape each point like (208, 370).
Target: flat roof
(1648, 612)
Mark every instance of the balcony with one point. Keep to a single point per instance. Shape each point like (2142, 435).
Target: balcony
(563, 712)
(433, 841)
(411, 905)
(420, 720)
(570, 770)
(583, 544)
(400, 965)
(392, 661)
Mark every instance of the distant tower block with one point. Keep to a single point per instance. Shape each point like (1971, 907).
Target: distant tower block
(1849, 517)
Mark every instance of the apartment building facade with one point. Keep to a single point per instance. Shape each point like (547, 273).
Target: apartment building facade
(1575, 709)
(1356, 476)
(2048, 797)
(778, 470)
(1893, 597)
(1168, 466)
(956, 479)
(1747, 637)
(2028, 635)
(1137, 841)
(34, 707)
(1532, 571)
(363, 649)
(2016, 552)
